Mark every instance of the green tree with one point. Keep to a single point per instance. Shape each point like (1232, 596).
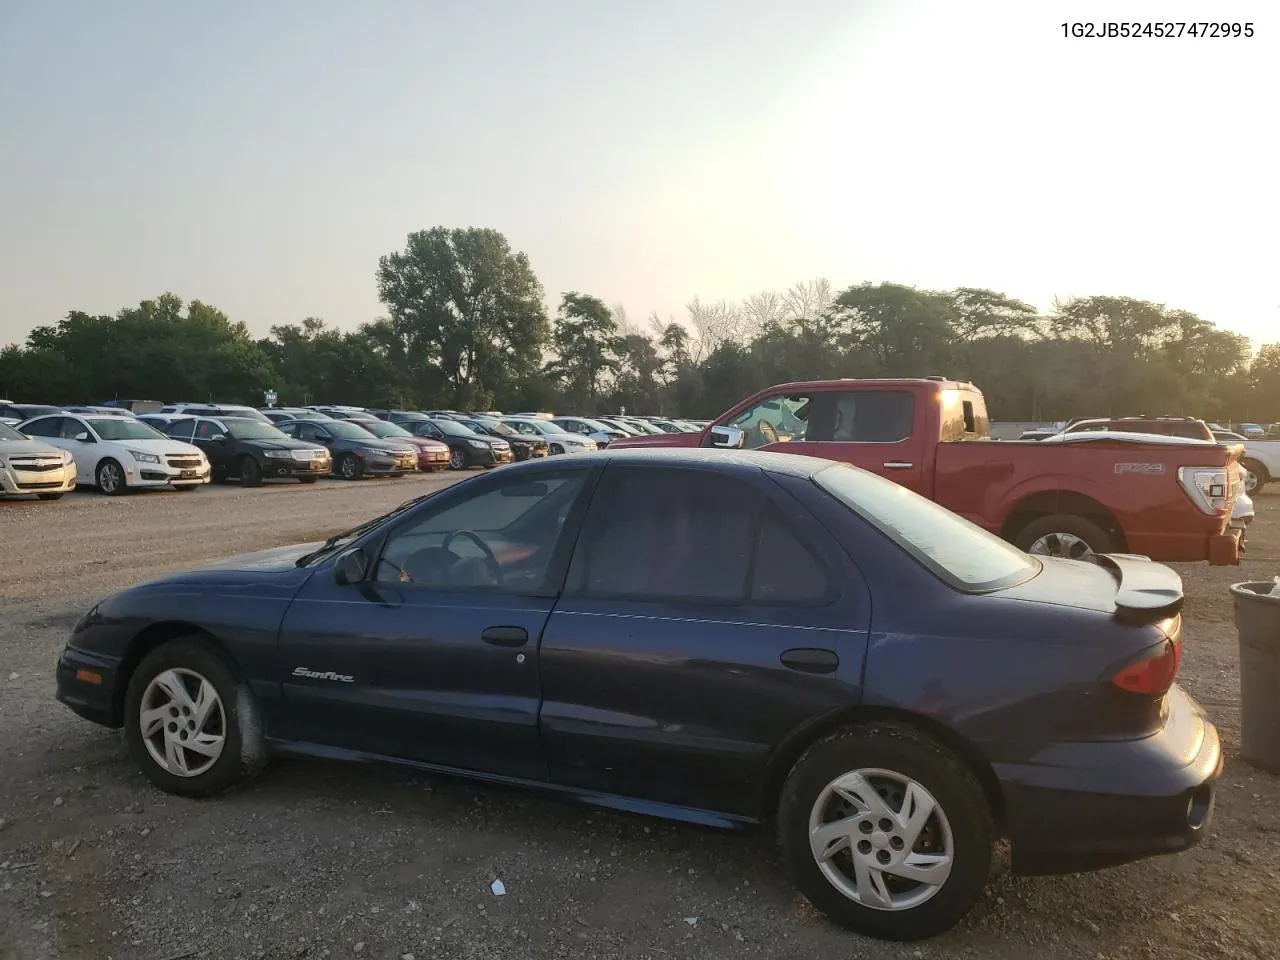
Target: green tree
(586, 344)
(466, 312)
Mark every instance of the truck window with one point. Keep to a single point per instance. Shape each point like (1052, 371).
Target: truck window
(827, 416)
(774, 420)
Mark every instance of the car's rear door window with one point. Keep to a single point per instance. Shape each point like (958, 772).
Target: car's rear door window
(786, 571)
(668, 533)
(44, 427)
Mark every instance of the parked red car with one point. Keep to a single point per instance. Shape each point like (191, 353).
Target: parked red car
(1103, 494)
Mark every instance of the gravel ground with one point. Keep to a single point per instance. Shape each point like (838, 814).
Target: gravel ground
(323, 859)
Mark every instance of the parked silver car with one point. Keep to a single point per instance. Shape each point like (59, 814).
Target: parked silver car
(28, 467)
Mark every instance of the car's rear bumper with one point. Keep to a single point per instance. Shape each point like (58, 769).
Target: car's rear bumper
(1220, 548)
(1084, 806)
(86, 683)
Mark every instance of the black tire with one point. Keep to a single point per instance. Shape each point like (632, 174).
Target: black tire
(556, 450)
(308, 479)
(1072, 526)
(104, 480)
(244, 751)
(1260, 476)
(49, 496)
(250, 472)
(458, 459)
(909, 753)
(349, 467)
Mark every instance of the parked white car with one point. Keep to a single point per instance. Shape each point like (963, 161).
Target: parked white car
(28, 467)
(118, 453)
(601, 433)
(559, 440)
(1261, 462)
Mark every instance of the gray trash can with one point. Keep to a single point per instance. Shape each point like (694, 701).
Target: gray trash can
(1258, 628)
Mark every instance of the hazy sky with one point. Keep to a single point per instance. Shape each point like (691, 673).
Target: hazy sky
(261, 156)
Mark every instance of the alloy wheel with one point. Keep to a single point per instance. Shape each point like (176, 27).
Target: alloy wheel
(1065, 545)
(110, 478)
(457, 459)
(1250, 481)
(349, 468)
(881, 839)
(183, 723)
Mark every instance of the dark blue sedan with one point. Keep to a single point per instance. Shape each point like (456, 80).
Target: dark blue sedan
(723, 638)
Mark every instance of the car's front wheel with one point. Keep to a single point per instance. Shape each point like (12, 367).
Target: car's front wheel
(110, 477)
(556, 449)
(191, 724)
(886, 832)
(457, 459)
(250, 472)
(350, 467)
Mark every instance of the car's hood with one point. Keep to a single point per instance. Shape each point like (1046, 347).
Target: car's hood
(160, 447)
(381, 443)
(658, 440)
(285, 443)
(275, 558)
(29, 448)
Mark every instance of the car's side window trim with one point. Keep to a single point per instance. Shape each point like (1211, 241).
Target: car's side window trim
(557, 567)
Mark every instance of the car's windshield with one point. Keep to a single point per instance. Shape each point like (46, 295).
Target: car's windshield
(599, 426)
(452, 428)
(957, 550)
(380, 428)
(348, 431)
(122, 428)
(545, 426)
(8, 433)
(245, 429)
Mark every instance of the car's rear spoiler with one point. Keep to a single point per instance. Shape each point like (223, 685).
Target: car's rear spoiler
(1146, 591)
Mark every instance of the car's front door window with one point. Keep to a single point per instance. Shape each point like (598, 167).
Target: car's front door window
(181, 430)
(503, 537)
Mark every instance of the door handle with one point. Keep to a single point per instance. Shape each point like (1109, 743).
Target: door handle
(810, 660)
(506, 636)
(897, 465)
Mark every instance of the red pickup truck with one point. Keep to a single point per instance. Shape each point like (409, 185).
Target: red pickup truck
(1107, 494)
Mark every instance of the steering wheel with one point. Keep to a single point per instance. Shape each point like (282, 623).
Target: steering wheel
(491, 562)
(767, 433)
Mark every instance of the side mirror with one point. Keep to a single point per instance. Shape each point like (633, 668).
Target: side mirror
(350, 568)
(84, 438)
(729, 438)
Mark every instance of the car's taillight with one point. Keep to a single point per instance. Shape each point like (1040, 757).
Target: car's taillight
(1209, 488)
(1153, 674)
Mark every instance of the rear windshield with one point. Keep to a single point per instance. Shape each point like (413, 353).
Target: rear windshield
(958, 551)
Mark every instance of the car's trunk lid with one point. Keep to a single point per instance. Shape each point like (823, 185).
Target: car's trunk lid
(1131, 587)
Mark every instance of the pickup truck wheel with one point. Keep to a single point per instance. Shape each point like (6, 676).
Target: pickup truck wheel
(1255, 476)
(1064, 535)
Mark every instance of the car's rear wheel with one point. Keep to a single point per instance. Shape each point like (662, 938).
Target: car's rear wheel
(110, 477)
(1064, 535)
(192, 725)
(1255, 476)
(886, 832)
(250, 472)
(457, 459)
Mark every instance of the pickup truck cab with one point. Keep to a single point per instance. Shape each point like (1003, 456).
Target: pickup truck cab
(1101, 492)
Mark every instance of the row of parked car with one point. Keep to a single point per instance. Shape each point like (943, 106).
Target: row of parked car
(47, 451)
